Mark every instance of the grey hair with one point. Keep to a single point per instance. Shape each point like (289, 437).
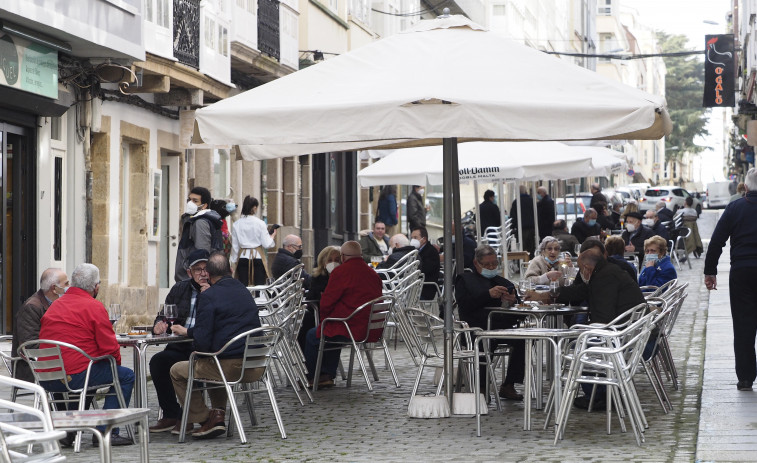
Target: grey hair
(751, 179)
(49, 278)
(483, 251)
(86, 277)
(400, 239)
(290, 240)
(546, 241)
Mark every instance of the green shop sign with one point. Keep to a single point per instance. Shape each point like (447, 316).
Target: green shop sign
(28, 66)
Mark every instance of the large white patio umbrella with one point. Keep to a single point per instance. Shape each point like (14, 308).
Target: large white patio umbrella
(445, 80)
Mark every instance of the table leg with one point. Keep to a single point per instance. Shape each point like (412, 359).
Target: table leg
(556, 381)
(527, 387)
(539, 370)
(476, 386)
(142, 376)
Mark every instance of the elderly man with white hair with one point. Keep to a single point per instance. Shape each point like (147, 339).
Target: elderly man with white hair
(78, 318)
(288, 257)
(399, 246)
(738, 224)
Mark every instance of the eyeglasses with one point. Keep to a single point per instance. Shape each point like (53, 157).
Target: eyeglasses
(296, 246)
(200, 270)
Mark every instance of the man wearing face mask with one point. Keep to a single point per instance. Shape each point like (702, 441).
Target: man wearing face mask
(288, 257)
(635, 234)
(200, 229)
(430, 263)
(587, 227)
(416, 211)
(27, 320)
(474, 292)
(652, 221)
(399, 245)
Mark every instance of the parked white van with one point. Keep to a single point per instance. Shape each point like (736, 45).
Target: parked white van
(719, 194)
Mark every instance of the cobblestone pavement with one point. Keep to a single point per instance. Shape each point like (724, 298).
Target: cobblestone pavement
(355, 425)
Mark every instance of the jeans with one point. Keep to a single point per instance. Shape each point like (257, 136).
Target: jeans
(160, 370)
(99, 374)
(330, 360)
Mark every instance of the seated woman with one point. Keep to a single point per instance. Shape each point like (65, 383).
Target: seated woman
(545, 267)
(328, 259)
(658, 269)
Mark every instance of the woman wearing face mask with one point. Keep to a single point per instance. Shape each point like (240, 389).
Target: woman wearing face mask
(249, 236)
(657, 267)
(545, 267)
(328, 259)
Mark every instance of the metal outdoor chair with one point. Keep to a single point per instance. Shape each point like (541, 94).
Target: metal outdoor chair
(10, 363)
(45, 359)
(25, 428)
(380, 310)
(260, 344)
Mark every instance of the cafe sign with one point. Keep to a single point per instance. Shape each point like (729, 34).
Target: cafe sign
(719, 82)
(28, 66)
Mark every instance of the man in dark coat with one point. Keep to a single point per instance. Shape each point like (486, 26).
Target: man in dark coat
(635, 234)
(474, 291)
(490, 214)
(430, 263)
(652, 220)
(528, 221)
(598, 200)
(184, 295)
(665, 214)
(227, 309)
(288, 257)
(200, 229)
(28, 319)
(416, 210)
(545, 208)
(587, 227)
(399, 246)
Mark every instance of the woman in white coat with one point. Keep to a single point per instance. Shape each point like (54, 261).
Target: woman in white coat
(249, 239)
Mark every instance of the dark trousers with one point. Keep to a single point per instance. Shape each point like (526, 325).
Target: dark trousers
(243, 272)
(308, 322)
(160, 370)
(330, 358)
(743, 294)
(516, 366)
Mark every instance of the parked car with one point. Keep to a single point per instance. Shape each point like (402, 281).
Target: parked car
(673, 196)
(570, 211)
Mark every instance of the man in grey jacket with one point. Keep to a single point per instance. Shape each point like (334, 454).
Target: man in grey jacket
(200, 229)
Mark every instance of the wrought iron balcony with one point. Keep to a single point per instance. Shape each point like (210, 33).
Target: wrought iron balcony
(268, 28)
(186, 32)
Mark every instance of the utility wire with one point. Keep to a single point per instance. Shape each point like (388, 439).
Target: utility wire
(416, 13)
(629, 57)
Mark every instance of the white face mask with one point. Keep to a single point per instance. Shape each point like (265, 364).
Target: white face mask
(648, 222)
(415, 243)
(630, 227)
(421, 191)
(190, 208)
(331, 266)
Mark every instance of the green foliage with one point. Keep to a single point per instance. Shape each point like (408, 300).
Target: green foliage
(684, 86)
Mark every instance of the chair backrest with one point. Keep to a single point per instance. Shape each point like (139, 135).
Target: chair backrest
(429, 332)
(259, 344)
(45, 359)
(381, 310)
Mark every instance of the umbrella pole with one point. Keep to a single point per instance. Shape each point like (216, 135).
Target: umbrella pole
(479, 239)
(449, 176)
(504, 245)
(536, 216)
(520, 218)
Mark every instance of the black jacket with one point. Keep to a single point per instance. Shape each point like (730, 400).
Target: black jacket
(637, 239)
(472, 295)
(181, 295)
(430, 266)
(224, 310)
(626, 266)
(568, 242)
(610, 292)
(317, 286)
(527, 215)
(416, 211)
(581, 230)
(546, 212)
(285, 261)
(661, 230)
(490, 216)
(738, 224)
(665, 214)
(396, 255)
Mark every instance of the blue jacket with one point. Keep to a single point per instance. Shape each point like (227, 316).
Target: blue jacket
(738, 224)
(387, 211)
(658, 274)
(224, 310)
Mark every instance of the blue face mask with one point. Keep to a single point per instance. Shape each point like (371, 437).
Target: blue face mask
(651, 257)
(592, 222)
(550, 261)
(538, 197)
(489, 273)
(231, 207)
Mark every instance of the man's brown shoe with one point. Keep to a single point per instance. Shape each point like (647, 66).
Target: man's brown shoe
(214, 426)
(507, 391)
(176, 430)
(164, 424)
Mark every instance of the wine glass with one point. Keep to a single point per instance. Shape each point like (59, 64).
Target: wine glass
(554, 289)
(114, 313)
(524, 286)
(570, 276)
(170, 314)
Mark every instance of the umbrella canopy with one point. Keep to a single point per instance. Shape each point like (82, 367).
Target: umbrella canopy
(487, 161)
(444, 78)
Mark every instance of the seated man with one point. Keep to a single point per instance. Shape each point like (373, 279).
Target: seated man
(226, 309)
(635, 234)
(568, 242)
(430, 263)
(665, 214)
(614, 252)
(28, 319)
(469, 248)
(184, 294)
(587, 227)
(652, 221)
(399, 246)
(375, 243)
(474, 291)
(288, 257)
(351, 285)
(79, 319)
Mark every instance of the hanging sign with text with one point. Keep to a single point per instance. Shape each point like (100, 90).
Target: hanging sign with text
(719, 82)
(28, 66)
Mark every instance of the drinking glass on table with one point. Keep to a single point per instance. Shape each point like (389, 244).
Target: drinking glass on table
(171, 314)
(114, 313)
(375, 260)
(570, 275)
(524, 286)
(554, 290)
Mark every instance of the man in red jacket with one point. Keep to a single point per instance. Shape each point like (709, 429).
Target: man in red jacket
(78, 318)
(351, 284)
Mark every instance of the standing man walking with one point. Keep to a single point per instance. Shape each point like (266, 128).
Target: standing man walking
(545, 211)
(490, 216)
(416, 211)
(737, 223)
